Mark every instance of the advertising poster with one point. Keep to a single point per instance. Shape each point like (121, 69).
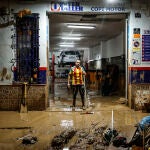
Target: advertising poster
(136, 47)
(146, 46)
(136, 58)
(136, 44)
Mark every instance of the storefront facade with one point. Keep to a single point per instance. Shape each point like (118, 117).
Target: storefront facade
(136, 49)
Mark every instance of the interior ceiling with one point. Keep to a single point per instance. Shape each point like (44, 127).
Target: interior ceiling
(107, 26)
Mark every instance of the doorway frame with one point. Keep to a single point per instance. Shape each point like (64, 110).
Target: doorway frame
(126, 34)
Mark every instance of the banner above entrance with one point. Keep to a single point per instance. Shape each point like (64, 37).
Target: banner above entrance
(94, 6)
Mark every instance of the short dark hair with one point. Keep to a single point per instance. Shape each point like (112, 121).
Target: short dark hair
(78, 60)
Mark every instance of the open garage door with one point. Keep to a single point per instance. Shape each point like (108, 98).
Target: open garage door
(101, 47)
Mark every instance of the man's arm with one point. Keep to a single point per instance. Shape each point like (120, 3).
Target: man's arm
(68, 79)
(83, 71)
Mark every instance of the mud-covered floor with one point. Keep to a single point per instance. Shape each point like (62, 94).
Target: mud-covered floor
(105, 111)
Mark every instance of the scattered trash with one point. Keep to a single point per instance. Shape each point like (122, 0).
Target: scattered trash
(87, 112)
(97, 138)
(109, 134)
(21, 138)
(120, 141)
(78, 147)
(99, 146)
(140, 139)
(122, 100)
(90, 139)
(63, 138)
(99, 130)
(145, 122)
(83, 133)
(137, 140)
(28, 139)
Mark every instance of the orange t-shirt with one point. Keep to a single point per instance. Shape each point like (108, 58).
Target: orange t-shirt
(76, 75)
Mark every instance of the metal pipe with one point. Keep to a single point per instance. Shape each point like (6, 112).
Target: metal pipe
(126, 58)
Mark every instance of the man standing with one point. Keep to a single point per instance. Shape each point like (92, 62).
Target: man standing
(75, 76)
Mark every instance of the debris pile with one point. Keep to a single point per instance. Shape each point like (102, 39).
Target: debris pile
(63, 138)
(101, 137)
(28, 139)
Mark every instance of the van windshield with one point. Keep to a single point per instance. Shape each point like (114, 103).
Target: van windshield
(70, 53)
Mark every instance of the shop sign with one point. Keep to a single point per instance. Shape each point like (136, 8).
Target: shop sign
(94, 6)
(107, 9)
(66, 6)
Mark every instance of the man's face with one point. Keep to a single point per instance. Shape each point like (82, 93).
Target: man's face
(78, 63)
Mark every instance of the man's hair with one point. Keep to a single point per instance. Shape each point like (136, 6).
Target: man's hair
(78, 60)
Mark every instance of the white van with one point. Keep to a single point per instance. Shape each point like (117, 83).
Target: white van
(68, 57)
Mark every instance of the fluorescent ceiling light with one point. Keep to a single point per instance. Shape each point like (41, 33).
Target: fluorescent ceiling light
(66, 45)
(111, 1)
(90, 60)
(81, 26)
(71, 38)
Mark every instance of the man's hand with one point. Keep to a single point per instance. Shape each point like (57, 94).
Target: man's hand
(68, 86)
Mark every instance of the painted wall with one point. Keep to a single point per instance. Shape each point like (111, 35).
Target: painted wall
(95, 52)
(113, 47)
(6, 54)
(107, 49)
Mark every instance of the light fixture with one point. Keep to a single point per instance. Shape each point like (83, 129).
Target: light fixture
(90, 60)
(81, 26)
(66, 45)
(71, 38)
(111, 1)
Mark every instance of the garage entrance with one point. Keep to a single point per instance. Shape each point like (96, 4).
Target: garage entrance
(99, 41)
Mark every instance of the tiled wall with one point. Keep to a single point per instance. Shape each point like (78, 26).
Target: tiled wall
(10, 96)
